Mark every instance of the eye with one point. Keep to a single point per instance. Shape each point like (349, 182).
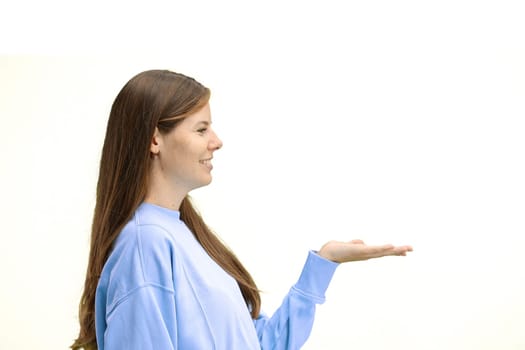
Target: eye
(202, 130)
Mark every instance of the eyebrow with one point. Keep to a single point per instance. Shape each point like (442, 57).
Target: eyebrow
(207, 123)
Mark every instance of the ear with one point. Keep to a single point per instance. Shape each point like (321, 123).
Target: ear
(154, 147)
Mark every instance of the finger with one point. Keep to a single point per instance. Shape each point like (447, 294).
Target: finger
(393, 249)
(401, 251)
(380, 250)
(387, 250)
(404, 248)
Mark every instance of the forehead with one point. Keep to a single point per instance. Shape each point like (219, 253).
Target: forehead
(202, 115)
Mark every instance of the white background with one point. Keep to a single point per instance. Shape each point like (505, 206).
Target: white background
(391, 121)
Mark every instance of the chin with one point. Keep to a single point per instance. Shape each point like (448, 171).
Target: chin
(204, 182)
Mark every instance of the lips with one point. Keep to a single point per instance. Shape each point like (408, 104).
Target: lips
(207, 163)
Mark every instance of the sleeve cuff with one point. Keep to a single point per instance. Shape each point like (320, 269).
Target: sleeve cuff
(315, 277)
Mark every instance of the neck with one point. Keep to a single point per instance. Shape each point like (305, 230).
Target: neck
(163, 193)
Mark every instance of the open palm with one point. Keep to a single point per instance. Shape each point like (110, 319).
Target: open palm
(356, 250)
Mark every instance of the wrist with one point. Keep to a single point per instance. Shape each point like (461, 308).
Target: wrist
(325, 253)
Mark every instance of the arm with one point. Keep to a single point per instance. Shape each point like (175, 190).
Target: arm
(135, 304)
(291, 324)
(145, 320)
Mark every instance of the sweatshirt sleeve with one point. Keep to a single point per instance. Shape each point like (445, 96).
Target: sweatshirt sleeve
(145, 319)
(291, 324)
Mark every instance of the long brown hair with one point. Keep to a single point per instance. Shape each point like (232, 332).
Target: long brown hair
(156, 98)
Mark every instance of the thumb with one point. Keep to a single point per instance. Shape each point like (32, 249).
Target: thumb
(357, 241)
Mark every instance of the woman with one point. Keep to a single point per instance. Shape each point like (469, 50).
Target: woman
(157, 277)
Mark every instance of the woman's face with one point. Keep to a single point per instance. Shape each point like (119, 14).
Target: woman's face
(185, 152)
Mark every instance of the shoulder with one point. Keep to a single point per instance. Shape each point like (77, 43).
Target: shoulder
(145, 247)
(156, 231)
(135, 242)
(142, 255)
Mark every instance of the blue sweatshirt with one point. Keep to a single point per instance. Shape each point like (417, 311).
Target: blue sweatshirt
(160, 290)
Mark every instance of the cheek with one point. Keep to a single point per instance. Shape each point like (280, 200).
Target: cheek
(186, 153)
(185, 159)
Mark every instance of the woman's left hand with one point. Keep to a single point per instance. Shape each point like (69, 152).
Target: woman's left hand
(356, 250)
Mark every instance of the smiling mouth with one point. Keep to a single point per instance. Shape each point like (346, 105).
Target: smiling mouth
(207, 163)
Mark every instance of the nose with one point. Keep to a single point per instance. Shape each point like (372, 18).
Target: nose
(215, 142)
